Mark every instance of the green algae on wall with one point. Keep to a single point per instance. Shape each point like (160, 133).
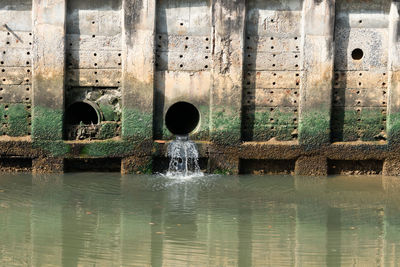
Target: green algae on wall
(15, 119)
(225, 126)
(394, 129)
(314, 128)
(262, 125)
(367, 124)
(53, 148)
(47, 123)
(137, 125)
(108, 148)
(108, 130)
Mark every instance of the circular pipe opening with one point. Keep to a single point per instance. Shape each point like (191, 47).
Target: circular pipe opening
(357, 54)
(82, 112)
(182, 118)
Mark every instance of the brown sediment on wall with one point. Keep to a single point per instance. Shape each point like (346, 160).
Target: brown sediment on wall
(301, 86)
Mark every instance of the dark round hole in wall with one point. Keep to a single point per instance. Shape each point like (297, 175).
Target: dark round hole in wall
(81, 112)
(182, 118)
(357, 54)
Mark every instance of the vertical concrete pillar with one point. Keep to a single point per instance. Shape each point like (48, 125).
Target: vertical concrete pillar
(138, 80)
(48, 69)
(48, 82)
(391, 165)
(317, 74)
(138, 70)
(226, 93)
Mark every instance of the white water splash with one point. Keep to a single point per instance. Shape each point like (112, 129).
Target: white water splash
(184, 159)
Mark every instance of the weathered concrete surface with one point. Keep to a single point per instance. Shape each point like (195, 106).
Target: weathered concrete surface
(297, 83)
(48, 69)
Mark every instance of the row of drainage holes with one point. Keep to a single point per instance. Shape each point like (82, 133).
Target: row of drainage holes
(358, 92)
(295, 56)
(8, 33)
(360, 129)
(8, 43)
(27, 80)
(271, 38)
(271, 92)
(181, 66)
(27, 107)
(95, 64)
(26, 99)
(4, 70)
(272, 128)
(358, 102)
(273, 109)
(383, 111)
(96, 81)
(6, 117)
(273, 83)
(273, 120)
(27, 89)
(272, 47)
(206, 66)
(360, 84)
(270, 101)
(273, 65)
(2, 63)
(186, 38)
(297, 74)
(181, 56)
(28, 133)
(383, 120)
(186, 47)
(95, 54)
(337, 75)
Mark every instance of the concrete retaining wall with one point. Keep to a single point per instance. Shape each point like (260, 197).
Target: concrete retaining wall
(303, 86)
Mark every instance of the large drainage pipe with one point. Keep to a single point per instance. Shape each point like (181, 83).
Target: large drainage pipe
(83, 111)
(182, 118)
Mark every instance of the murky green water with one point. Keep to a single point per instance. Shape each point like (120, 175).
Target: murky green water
(112, 220)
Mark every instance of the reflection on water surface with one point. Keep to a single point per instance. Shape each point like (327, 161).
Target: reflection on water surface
(112, 220)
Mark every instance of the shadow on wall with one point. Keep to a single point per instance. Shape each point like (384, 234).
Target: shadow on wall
(339, 93)
(159, 89)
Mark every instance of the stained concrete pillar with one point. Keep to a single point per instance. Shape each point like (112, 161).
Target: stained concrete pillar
(48, 69)
(48, 82)
(317, 72)
(391, 165)
(138, 80)
(226, 93)
(138, 70)
(316, 86)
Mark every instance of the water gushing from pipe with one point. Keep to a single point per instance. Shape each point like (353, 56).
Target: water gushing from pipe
(184, 158)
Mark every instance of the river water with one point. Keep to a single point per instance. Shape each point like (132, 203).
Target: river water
(98, 219)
